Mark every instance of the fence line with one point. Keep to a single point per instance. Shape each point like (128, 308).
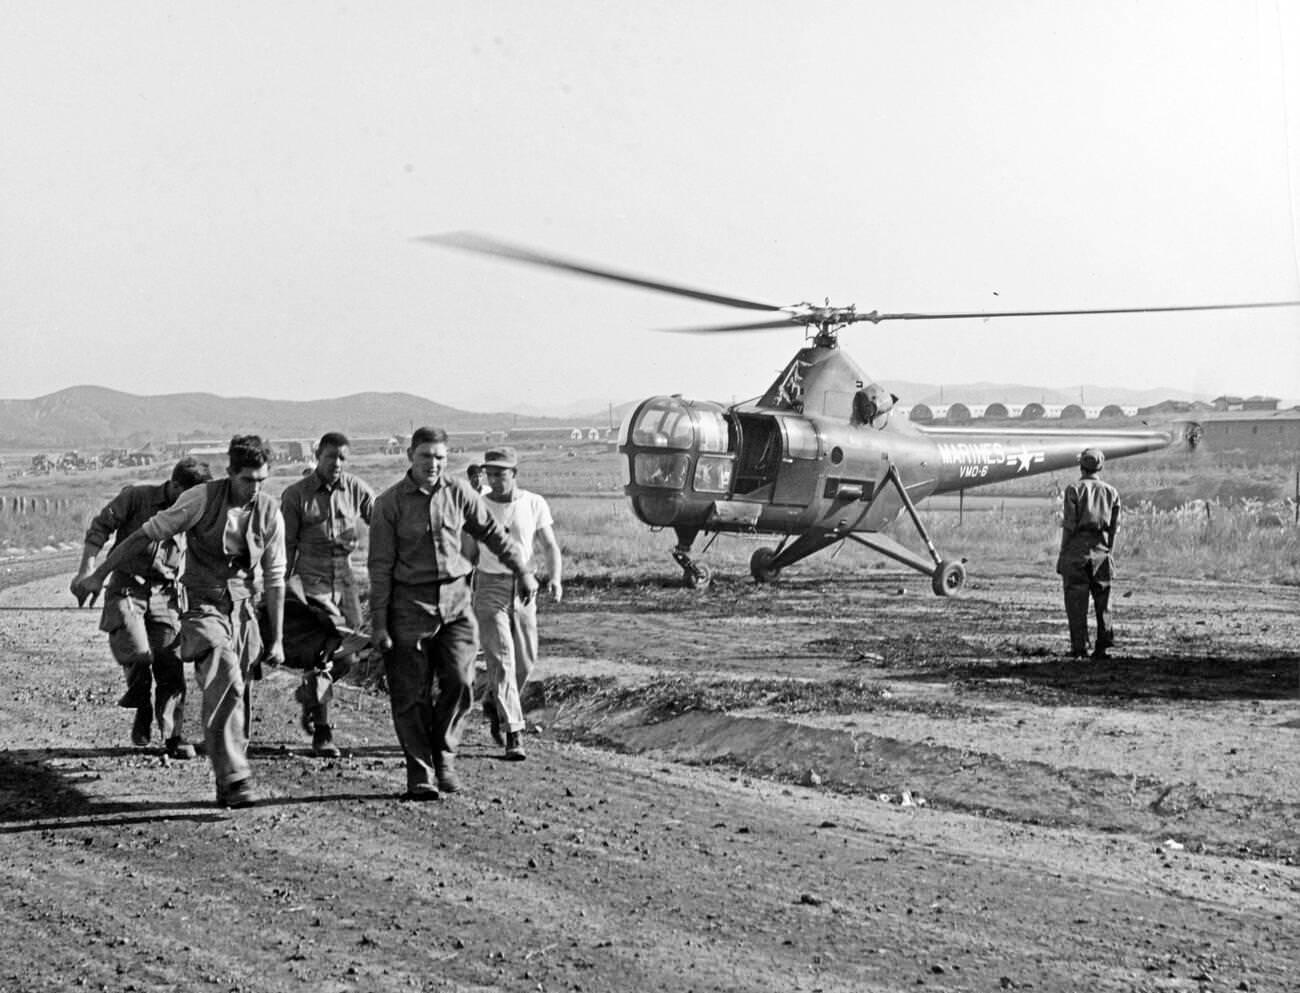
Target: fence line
(22, 505)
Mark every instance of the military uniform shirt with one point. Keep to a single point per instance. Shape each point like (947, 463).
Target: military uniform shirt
(159, 561)
(320, 524)
(1091, 507)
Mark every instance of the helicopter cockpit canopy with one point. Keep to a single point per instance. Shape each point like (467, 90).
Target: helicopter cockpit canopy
(675, 444)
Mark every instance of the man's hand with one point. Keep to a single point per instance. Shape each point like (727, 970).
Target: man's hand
(556, 589)
(274, 653)
(381, 640)
(527, 587)
(86, 587)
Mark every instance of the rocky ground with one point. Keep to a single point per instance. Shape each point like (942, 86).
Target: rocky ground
(833, 783)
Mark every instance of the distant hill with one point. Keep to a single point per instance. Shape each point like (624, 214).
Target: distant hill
(86, 416)
(93, 416)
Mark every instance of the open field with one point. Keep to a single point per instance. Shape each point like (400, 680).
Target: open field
(1240, 523)
(837, 782)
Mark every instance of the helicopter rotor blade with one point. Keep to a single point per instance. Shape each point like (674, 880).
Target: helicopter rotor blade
(469, 241)
(754, 326)
(876, 318)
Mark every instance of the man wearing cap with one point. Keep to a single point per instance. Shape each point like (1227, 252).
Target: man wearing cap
(323, 607)
(1089, 521)
(507, 621)
(142, 607)
(421, 615)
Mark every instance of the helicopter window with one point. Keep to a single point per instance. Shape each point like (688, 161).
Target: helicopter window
(800, 438)
(668, 471)
(712, 431)
(664, 424)
(713, 475)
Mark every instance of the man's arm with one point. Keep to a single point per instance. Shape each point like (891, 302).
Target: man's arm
(179, 517)
(483, 527)
(1069, 520)
(554, 561)
(365, 501)
(379, 563)
(1069, 515)
(273, 569)
(90, 584)
(291, 511)
(102, 527)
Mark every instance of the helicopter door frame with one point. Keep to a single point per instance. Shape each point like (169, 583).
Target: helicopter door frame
(760, 449)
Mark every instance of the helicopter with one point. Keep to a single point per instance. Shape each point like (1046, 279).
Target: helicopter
(821, 457)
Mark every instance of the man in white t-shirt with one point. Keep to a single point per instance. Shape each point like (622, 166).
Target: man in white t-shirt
(507, 623)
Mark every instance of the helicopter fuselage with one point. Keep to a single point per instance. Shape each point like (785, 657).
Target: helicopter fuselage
(733, 469)
(814, 453)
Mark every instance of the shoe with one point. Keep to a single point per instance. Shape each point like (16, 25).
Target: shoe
(420, 792)
(494, 727)
(514, 748)
(448, 781)
(178, 748)
(142, 729)
(322, 742)
(237, 794)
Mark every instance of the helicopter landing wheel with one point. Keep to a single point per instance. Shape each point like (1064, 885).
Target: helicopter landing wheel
(760, 565)
(697, 577)
(948, 578)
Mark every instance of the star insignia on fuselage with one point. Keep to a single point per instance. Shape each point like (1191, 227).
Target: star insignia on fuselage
(1025, 458)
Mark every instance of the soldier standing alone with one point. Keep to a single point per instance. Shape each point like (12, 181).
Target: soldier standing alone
(1089, 521)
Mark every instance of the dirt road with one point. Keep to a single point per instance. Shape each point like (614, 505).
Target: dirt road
(835, 783)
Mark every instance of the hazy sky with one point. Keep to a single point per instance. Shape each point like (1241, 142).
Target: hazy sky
(223, 197)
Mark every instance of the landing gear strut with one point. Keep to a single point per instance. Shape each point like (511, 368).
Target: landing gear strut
(947, 576)
(695, 575)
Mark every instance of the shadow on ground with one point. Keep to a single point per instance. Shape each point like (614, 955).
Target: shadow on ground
(1123, 679)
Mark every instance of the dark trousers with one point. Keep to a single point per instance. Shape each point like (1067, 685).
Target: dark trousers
(428, 651)
(1084, 579)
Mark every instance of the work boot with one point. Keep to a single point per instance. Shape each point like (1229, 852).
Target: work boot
(178, 748)
(514, 747)
(237, 794)
(142, 727)
(322, 742)
(445, 768)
